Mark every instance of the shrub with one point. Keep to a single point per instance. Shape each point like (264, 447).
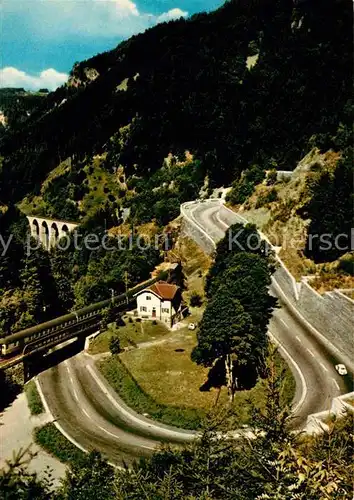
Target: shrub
(53, 441)
(166, 210)
(244, 187)
(284, 210)
(266, 198)
(120, 321)
(35, 404)
(132, 342)
(196, 299)
(346, 264)
(154, 322)
(114, 345)
(271, 177)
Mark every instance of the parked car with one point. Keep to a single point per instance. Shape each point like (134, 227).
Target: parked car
(341, 369)
(192, 326)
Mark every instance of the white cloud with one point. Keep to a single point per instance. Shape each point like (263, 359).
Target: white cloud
(172, 14)
(60, 19)
(126, 6)
(64, 20)
(49, 78)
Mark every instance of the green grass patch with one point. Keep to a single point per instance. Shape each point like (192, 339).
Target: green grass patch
(130, 334)
(53, 441)
(161, 380)
(35, 404)
(289, 384)
(127, 387)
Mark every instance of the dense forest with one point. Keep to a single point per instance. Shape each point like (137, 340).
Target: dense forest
(188, 87)
(36, 285)
(216, 99)
(17, 105)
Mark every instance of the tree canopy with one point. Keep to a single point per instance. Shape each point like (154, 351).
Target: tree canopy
(232, 337)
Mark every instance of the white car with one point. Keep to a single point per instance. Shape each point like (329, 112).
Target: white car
(341, 369)
(192, 326)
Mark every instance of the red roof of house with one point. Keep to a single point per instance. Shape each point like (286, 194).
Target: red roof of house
(164, 290)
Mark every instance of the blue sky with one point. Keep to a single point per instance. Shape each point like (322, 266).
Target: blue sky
(41, 39)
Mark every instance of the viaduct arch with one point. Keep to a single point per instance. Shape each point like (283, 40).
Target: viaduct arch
(49, 231)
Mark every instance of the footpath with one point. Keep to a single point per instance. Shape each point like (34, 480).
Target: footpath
(16, 432)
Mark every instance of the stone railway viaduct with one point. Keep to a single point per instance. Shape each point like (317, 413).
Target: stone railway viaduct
(49, 231)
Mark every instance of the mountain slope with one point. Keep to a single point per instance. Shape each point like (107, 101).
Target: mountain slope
(186, 86)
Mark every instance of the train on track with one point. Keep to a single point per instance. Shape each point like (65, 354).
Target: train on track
(74, 322)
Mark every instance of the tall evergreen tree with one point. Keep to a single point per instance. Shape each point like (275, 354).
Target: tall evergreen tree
(225, 335)
(239, 238)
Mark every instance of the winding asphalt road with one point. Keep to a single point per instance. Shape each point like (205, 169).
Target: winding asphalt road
(93, 416)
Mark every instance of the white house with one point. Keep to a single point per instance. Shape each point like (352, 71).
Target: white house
(161, 301)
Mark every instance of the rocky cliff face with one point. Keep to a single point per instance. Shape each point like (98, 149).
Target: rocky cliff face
(82, 77)
(2, 118)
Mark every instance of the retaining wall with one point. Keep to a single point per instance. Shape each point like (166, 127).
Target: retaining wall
(331, 313)
(318, 422)
(193, 231)
(287, 282)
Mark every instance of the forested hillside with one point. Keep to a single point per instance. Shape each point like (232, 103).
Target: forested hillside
(186, 106)
(185, 85)
(16, 105)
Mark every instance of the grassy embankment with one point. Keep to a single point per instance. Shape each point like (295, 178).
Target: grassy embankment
(48, 436)
(35, 404)
(53, 441)
(162, 381)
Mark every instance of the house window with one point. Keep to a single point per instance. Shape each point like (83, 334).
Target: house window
(143, 309)
(165, 310)
(148, 297)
